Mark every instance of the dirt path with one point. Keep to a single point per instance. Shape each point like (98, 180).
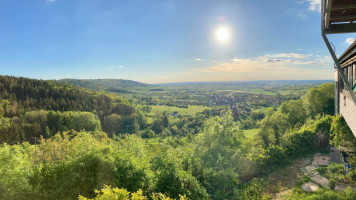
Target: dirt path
(287, 176)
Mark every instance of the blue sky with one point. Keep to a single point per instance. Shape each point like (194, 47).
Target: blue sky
(155, 41)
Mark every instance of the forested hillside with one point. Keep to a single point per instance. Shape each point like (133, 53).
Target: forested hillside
(25, 105)
(95, 141)
(109, 85)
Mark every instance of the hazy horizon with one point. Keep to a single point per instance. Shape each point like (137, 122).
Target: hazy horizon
(182, 82)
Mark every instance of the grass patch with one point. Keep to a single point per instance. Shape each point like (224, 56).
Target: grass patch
(263, 109)
(191, 110)
(333, 171)
(250, 133)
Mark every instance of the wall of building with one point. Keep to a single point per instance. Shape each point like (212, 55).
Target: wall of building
(337, 91)
(347, 110)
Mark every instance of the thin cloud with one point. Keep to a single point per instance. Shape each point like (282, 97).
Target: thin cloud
(114, 68)
(314, 5)
(302, 16)
(350, 40)
(289, 55)
(50, 0)
(282, 66)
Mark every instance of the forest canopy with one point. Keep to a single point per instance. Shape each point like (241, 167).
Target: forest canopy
(64, 142)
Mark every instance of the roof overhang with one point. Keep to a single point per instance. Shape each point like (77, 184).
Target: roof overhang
(338, 16)
(349, 55)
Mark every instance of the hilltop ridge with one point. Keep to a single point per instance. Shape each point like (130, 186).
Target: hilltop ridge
(109, 85)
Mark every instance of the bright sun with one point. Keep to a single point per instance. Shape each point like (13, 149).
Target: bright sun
(222, 34)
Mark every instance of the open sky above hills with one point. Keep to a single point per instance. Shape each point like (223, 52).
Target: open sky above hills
(165, 40)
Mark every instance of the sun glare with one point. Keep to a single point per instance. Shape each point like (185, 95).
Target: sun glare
(222, 34)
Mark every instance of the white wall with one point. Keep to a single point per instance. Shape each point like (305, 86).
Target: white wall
(348, 110)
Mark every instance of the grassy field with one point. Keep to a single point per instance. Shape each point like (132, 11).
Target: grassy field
(191, 110)
(250, 133)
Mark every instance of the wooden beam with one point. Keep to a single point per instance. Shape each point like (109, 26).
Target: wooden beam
(327, 14)
(341, 28)
(344, 17)
(323, 5)
(344, 7)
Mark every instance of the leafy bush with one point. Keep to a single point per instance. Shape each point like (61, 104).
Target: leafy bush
(129, 175)
(14, 169)
(320, 100)
(322, 194)
(174, 181)
(108, 193)
(70, 179)
(300, 142)
(271, 158)
(332, 183)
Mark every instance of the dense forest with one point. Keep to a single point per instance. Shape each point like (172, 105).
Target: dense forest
(60, 141)
(33, 108)
(109, 85)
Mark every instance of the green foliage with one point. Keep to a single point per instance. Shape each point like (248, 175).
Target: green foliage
(112, 194)
(129, 175)
(322, 194)
(201, 157)
(26, 102)
(335, 172)
(70, 165)
(295, 111)
(14, 169)
(189, 110)
(257, 115)
(251, 133)
(110, 85)
(254, 189)
(108, 193)
(218, 156)
(171, 179)
(271, 158)
(332, 183)
(322, 128)
(300, 142)
(341, 133)
(30, 94)
(11, 130)
(161, 123)
(112, 124)
(70, 179)
(273, 127)
(35, 124)
(342, 136)
(320, 100)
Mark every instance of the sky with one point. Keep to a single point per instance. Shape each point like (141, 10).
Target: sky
(161, 41)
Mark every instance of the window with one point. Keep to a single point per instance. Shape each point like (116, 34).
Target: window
(350, 75)
(346, 75)
(354, 74)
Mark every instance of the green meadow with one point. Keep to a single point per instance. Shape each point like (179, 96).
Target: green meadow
(191, 110)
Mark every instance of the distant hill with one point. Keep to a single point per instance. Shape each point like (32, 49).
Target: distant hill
(31, 94)
(34, 108)
(109, 85)
(280, 82)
